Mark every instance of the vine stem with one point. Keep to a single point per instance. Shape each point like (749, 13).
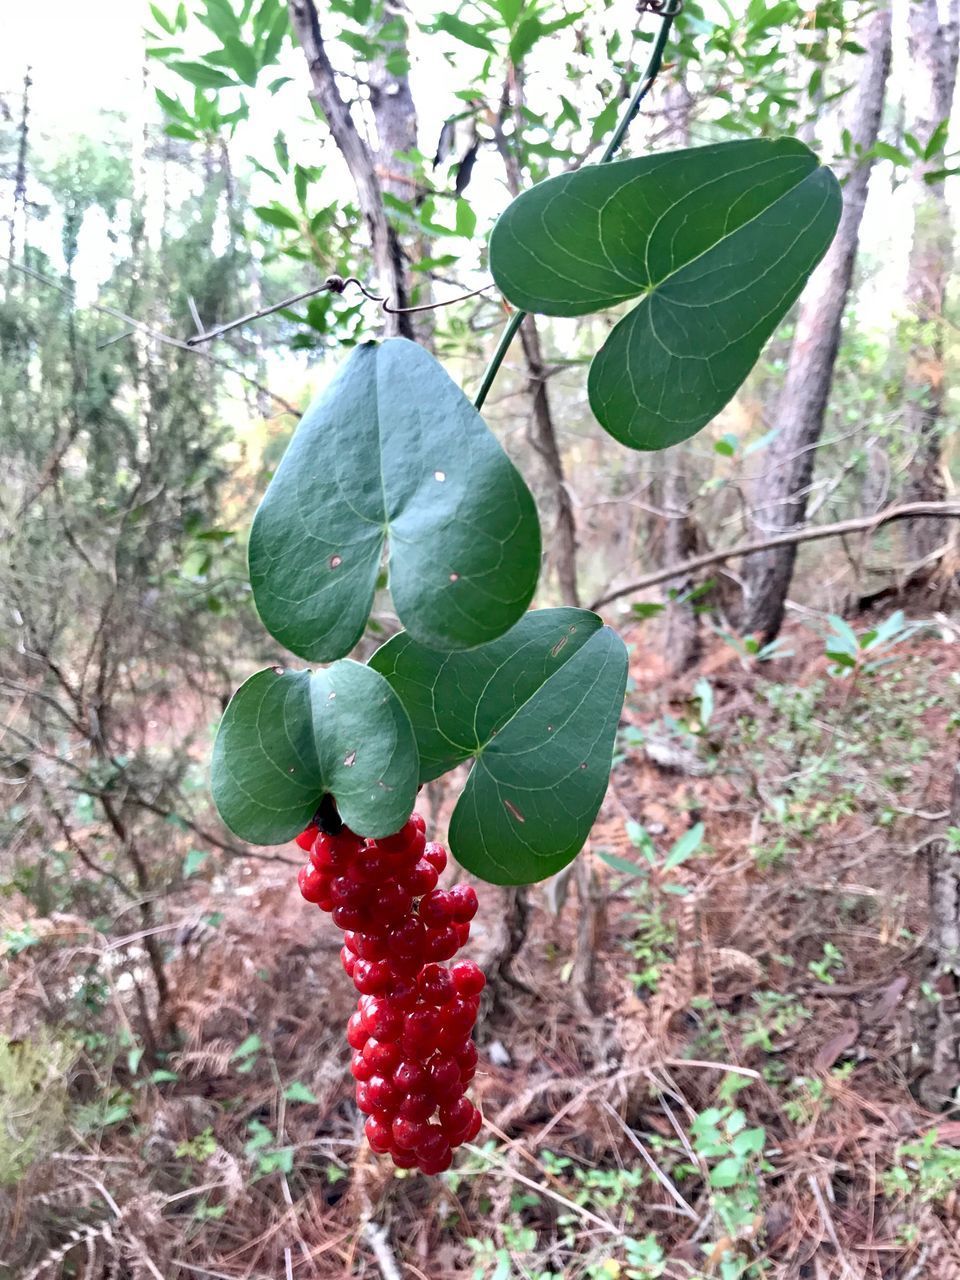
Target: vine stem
(611, 149)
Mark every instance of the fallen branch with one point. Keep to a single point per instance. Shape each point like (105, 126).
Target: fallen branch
(861, 524)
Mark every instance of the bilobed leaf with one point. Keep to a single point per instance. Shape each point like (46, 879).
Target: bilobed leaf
(537, 710)
(393, 455)
(290, 737)
(717, 241)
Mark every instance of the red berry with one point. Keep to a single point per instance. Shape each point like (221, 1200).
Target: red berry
(408, 1133)
(334, 853)
(456, 1119)
(436, 855)
(403, 993)
(442, 944)
(408, 837)
(314, 885)
(463, 933)
(410, 1076)
(421, 1026)
(390, 903)
(403, 1159)
(369, 866)
(458, 1017)
(360, 1068)
(421, 879)
(383, 1056)
(347, 893)
(363, 1098)
(416, 820)
(357, 1033)
(381, 1094)
(408, 937)
(467, 978)
(371, 976)
(435, 984)
(476, 1124)
(430, 1168)
(433, 1147)
(306, 838)
(435, 908)
(467, 1057)
(372, 946)
(417, 1106)
(349, 961)
(381, 1019)
(463, 903)
(445, 1080)
(379, 1134)
(348, 917)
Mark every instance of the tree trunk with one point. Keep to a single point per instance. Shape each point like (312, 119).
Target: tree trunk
(683, 642)
(542, 435)
(18, 215)
(932, 40)
(387, 254)
(803, 401)
(937, 1021)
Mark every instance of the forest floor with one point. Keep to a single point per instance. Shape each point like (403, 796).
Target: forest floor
(732, 1095)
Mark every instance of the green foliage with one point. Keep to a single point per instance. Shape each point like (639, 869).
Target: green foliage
(866, 653)
(719, 240)
(33, 1101)
(289, 738)
(538, 711)
(925, 1168)
(393, 453)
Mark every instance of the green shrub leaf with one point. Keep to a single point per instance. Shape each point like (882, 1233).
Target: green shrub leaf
(537, 710)
(393, 454)
(289, 737)
(718, 242)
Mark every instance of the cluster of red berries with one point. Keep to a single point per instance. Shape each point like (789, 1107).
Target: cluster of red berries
(413, 1055)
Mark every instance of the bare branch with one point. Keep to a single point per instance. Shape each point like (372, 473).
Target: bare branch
(863, 524)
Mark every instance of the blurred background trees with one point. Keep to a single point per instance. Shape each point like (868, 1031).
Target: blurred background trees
(211, 159)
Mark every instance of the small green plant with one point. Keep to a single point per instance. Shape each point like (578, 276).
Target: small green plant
(830, 962)
(200, 1147)
(262, 1147)
(733, 1152)
(925, 1169)
(854, 654)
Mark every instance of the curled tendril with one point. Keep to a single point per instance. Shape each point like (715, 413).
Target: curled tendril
(665, 8)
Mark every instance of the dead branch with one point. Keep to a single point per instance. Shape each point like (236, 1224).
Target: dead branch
(860, 524)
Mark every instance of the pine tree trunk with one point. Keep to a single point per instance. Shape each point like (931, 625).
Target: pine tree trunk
(937, 1020)
(932, 40)
(813, 353)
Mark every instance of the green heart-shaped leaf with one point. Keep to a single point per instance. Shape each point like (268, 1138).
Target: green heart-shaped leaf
(538, 710)
(290, 737)
(719, 240)
(393, 453)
